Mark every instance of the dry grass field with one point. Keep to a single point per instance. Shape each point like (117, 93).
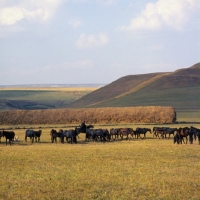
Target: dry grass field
(135, 169)
(149, 168)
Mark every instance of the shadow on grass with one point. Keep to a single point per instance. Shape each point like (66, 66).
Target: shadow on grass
(83, 142)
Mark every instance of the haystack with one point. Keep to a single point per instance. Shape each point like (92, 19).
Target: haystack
(111, 115)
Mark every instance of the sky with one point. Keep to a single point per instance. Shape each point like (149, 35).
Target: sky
(95, 41)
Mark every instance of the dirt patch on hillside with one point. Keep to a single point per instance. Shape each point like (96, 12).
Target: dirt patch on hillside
(148, 114)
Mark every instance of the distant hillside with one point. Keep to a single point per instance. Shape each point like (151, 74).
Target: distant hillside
(118, 87)
(34, 98)
(180, 89)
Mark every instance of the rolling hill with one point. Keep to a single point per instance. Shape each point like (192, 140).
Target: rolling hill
(180, 89)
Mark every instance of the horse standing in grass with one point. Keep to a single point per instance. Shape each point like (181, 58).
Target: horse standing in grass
(114, 132)
(142, 131)
(54, 134)
(30, 133)
(9, 135)
(69, 134)
(177, 138)
(196, 133)
(184, 133)
(37, 135)
(125, 132)
(33, 134)
(171, 131)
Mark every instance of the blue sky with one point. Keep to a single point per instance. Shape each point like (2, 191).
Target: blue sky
(95, 41)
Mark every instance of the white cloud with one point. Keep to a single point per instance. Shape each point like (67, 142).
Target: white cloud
(12, 12)
(74, 23)
(171, 13)
(91, 41)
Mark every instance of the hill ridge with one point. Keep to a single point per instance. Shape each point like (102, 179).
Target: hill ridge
(180, 88)
(117, 87)
(138, 87)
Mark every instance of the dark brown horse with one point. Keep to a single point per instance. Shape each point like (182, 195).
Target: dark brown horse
(114, 132)
(184, 133)
(161, 132)
(125, 132)
(54, 134)
(157, 131)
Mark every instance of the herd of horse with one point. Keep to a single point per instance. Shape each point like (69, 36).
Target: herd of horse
(181, 135)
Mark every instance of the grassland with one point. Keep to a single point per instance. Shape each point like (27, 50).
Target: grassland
(137, 169)
(39, 98)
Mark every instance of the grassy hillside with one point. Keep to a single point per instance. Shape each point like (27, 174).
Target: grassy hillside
(180, 89)
(118, 87)
(179, 98)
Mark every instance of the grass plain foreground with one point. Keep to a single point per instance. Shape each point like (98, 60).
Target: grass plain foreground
(135, 169)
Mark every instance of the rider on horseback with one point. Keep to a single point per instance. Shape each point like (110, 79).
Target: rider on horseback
(83, 126)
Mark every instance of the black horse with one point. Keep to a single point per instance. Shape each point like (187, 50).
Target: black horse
(177, 138)
(89, 134)
(171, 131)
(82, 129)
(33, 134)
(54, 134)
(100, 135)
(106, 134)
(97, 134)
(143, 131)
(69, 134)
(196, 133)
(37, 135)
(9, 135)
